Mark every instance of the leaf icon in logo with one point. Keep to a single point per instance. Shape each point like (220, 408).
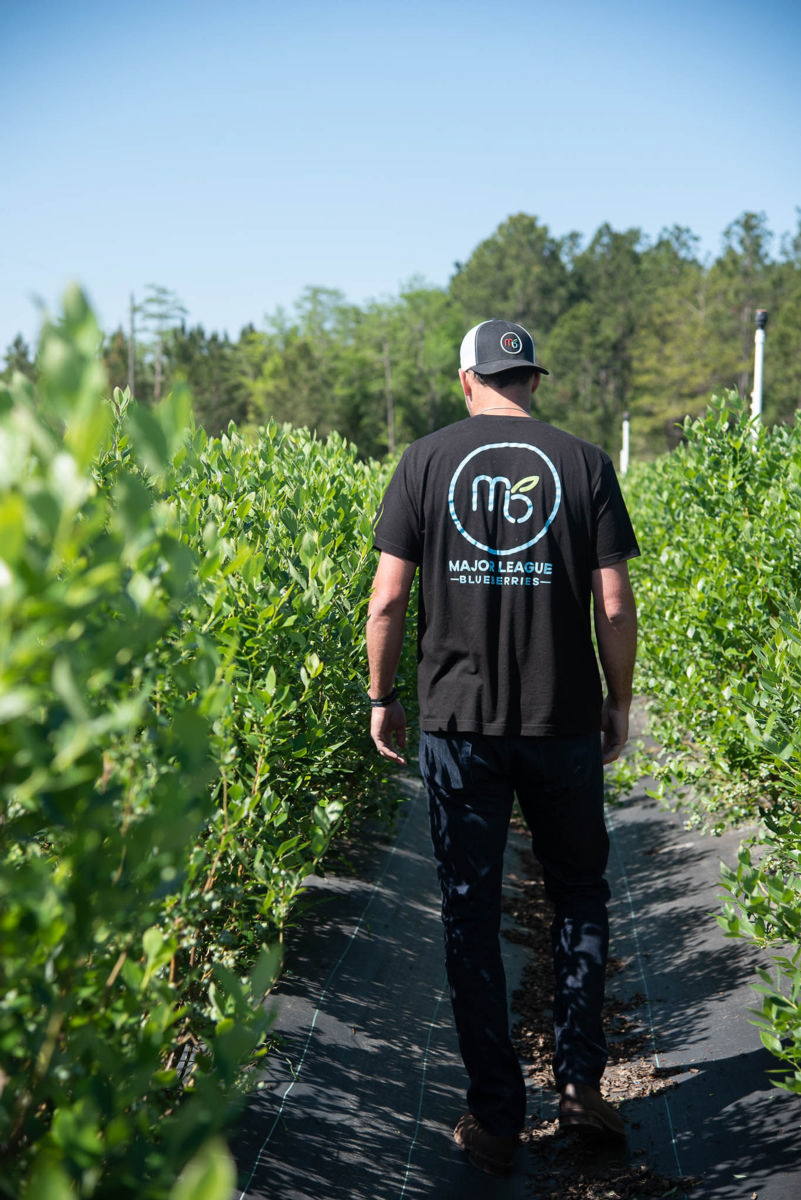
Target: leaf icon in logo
(526, 485)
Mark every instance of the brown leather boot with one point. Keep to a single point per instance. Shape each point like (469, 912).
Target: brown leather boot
(488, 1151)
(583, 1107)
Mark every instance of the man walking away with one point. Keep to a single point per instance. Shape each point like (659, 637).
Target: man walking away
(522, 538)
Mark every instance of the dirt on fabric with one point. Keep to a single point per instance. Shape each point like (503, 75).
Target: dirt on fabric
(565, 1166)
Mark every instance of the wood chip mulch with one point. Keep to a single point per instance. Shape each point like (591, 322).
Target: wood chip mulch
(564, 1166)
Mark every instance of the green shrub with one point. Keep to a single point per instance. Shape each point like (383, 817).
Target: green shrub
(718, 591)
(766, 909)
(101, 799)
(289, 523)
(765, 887)
(718, 523)
(182, 733)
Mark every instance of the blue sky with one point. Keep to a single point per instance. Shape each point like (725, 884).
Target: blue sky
(236, 153)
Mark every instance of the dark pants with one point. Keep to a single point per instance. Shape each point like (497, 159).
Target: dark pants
(471, 781)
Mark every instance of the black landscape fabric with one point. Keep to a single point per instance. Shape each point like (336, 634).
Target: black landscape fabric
(360, 1099)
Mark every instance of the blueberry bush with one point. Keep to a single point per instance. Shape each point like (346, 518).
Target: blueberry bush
(719, 594)
(182, 740)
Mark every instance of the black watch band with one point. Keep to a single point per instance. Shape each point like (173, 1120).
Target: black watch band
(383, 701)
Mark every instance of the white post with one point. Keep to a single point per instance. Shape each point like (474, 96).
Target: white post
(131, 347)
(759, 357)
(624, 448)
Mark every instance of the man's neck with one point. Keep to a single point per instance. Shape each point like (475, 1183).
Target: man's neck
(493, 402)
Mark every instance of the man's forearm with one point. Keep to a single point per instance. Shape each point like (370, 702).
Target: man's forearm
(386, 620)
(615, 614)
(385, 630)
(616, 634)
(617, 649)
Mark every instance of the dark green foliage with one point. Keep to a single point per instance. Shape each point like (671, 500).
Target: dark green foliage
(718, 523)
(182, 732)
(765, 887)
(379, 376)
(518, 273)
(718, 591)
(213, 369)
(623, 323)
(114, 353)
(18, 358)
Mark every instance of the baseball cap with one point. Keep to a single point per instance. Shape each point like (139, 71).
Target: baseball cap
(493, 346)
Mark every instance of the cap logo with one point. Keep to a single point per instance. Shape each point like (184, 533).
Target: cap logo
(511, 343)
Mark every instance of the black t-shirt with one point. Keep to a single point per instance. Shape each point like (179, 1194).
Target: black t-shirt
(507, 518)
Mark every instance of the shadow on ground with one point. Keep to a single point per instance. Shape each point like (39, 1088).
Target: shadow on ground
(723, 1122)
(360, 1099)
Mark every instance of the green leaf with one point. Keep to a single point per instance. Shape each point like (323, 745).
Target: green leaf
(16, 703)
(48, 1181)
(152, 942)
(526, 485)
(265, 972)
(12, 527)
(210, 1175)
(149, 439)
(66, 687)
(313, 665)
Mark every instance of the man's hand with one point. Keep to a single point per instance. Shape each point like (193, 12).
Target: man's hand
(614, 729)
(385, 723)
(616, 633)
(385, 622)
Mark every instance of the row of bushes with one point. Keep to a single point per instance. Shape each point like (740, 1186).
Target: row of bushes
(719, 592)
(182, 733)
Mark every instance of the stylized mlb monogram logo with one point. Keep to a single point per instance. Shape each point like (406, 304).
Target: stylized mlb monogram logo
(511, 343)
(508, 479)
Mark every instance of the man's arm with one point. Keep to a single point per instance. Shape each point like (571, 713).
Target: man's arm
(386, 617)
(615, 615)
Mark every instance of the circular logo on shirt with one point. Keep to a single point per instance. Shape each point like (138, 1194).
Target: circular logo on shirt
(504, 496)
(511, 343)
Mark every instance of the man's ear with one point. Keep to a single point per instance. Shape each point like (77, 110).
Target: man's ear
(535, 382)
(467, 387)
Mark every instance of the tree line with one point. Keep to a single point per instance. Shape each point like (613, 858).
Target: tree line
(623, 323)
